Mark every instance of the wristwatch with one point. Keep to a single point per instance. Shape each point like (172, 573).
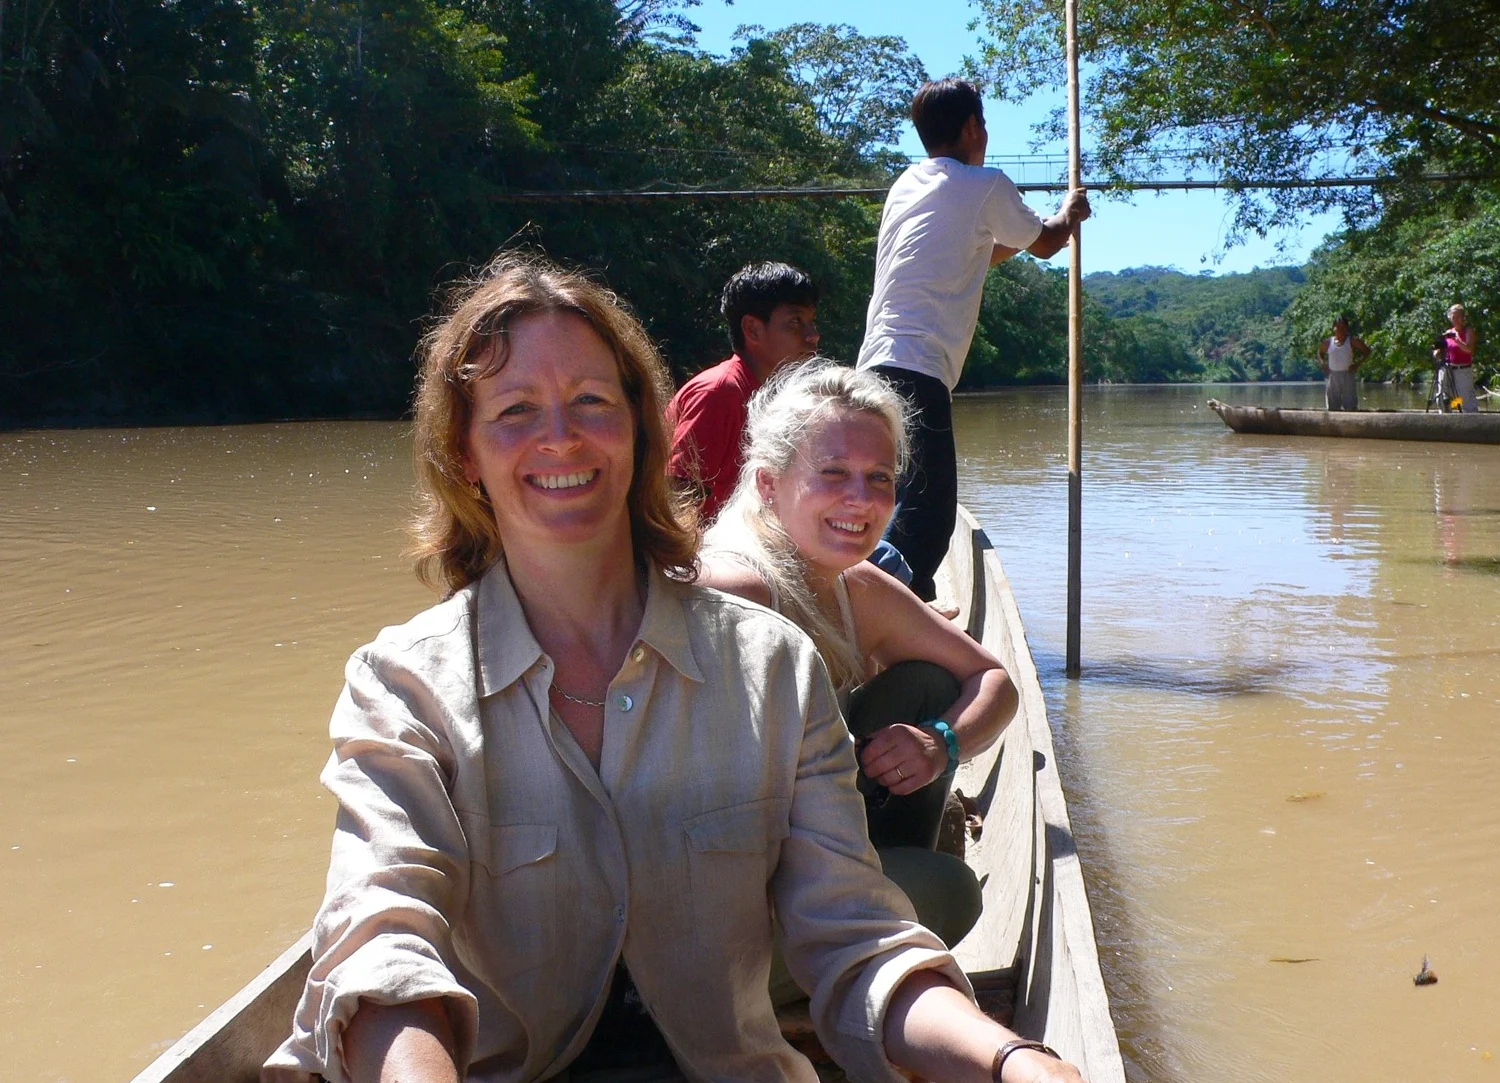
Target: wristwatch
(1013, 1046)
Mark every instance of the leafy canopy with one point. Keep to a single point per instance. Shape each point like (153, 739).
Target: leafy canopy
(1267, 89)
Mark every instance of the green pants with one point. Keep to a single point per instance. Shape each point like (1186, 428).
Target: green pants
(910, 692)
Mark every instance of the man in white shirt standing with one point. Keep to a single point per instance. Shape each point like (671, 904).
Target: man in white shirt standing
(947, 220)
(1341, 355)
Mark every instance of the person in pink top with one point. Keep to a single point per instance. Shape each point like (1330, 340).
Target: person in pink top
(1457, 352)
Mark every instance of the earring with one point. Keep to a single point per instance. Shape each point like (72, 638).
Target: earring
(476, 491)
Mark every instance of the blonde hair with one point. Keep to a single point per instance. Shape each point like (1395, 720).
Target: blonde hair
(781, 415)
(454, 536)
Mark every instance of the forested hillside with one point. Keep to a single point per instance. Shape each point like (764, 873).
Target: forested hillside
(1233, 327)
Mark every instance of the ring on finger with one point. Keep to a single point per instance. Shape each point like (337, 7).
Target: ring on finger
(900, 774)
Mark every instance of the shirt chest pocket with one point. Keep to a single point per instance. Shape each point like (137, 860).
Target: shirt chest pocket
(732, 853)
(520, 926)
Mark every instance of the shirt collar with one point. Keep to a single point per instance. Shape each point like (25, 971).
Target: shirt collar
(507, 650)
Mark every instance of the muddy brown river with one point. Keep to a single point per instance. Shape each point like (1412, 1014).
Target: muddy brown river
(1281, 760)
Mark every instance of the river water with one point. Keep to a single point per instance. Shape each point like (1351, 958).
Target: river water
(1283, 747)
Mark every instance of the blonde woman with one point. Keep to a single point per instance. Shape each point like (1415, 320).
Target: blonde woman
(824, 445)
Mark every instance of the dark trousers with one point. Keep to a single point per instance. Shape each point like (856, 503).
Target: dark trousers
(911, 692)
(927, 494)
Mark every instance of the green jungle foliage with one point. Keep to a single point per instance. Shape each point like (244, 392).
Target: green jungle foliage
(220, 211)
(1396, 278)
(1279, 91)
(1294, 92)
(212, 211)
(1227, 327)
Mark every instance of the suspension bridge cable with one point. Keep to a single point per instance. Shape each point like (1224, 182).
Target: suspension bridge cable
(653, 195)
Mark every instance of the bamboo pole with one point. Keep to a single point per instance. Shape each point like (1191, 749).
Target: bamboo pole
(1075, 363)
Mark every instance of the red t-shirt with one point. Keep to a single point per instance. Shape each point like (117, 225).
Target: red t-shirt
(707, 416)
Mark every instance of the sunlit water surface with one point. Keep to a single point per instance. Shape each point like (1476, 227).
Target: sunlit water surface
(1284, 745)
(1285, 742)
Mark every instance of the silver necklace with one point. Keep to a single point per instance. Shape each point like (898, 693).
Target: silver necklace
(577, 699)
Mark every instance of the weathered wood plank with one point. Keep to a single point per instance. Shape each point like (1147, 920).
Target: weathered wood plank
(1479, 428)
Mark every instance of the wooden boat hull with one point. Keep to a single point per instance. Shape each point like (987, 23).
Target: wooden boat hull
(1481, 428)
(1034, 943)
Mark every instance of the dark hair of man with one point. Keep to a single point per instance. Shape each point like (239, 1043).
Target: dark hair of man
(940, 109)
(756, 289)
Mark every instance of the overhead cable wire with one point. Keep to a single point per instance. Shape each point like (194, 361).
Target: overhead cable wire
(598, 195)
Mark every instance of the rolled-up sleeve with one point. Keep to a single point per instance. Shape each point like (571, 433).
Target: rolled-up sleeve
(398, 876)
(851, 934)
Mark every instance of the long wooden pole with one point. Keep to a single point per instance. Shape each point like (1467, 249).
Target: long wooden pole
(1075, 364)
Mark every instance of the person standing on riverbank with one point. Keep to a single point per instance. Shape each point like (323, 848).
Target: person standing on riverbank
(947, 220)
(1458, 353)
(1341, 354)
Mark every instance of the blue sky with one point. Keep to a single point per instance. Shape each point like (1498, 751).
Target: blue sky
(1175, 229)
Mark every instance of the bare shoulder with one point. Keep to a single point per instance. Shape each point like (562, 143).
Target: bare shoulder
(865, 580)
(895, 625)
(880, 601)
(733, 577)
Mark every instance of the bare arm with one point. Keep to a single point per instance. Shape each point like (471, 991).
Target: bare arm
(1361, 351)
(400, 1043)
(934, 1031)
(1058, 230)
(894, 625)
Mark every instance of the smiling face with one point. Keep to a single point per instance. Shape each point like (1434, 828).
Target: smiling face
(552, 435)
(836, 497)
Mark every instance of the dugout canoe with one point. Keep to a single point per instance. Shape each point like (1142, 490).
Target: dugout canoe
(1480, 428)
(1032, 956)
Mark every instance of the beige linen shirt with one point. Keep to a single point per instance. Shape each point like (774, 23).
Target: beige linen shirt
(480, 858)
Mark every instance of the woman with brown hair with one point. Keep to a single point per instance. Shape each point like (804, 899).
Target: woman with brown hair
(570, 793)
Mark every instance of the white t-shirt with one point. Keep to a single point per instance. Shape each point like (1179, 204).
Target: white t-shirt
(1340, 354)
(942, 219)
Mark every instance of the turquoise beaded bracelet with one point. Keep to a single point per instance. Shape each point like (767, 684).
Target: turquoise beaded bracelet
(950, 739)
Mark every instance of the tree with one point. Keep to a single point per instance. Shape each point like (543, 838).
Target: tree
(861, 87)
(1277, 90)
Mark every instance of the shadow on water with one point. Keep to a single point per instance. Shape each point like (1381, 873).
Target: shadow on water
(1126, 969)
(1482, 565)
(1189, 676)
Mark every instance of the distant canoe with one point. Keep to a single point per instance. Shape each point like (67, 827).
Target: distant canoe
(1483, 428)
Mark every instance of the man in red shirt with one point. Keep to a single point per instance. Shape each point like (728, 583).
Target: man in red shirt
(772, 313)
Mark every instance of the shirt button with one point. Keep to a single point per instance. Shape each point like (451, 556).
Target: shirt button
(620, 913)
(639, 654)
(625, 703)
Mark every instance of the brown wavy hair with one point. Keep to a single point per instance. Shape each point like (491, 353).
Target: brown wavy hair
(454, 536)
